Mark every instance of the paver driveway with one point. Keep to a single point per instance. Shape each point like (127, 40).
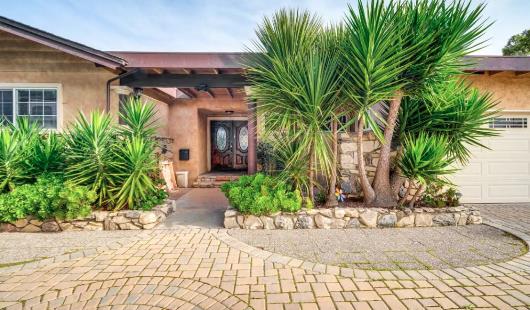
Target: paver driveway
(206, 268)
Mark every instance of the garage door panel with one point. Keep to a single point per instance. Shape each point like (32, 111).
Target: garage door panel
(501, 173)
(507, 168)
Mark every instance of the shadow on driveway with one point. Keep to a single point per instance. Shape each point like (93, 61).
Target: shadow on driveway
(199, 207)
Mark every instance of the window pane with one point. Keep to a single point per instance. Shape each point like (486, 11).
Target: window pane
(50, 108)
(6, 105)
(36, 120)
(23, 108)
(35, 108)
(23, 95)
(50, 122)
(35, 95)
(50, 95)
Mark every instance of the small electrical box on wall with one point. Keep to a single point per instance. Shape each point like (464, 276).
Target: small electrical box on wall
(184, 154)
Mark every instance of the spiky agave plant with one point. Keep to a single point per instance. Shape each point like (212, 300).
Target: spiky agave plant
(47, 155)
(12, 161)
(90, 146)
(138, 118)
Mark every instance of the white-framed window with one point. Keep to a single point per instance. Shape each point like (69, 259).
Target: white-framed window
(39, 104)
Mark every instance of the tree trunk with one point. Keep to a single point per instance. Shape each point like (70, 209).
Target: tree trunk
(332, 199)
(404, 198)
(416, 195)
(368, 192)
(384, 196)
(396, 181)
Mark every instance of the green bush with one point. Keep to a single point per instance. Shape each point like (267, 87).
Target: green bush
(50, 197)
(260, 194)
(437, 195)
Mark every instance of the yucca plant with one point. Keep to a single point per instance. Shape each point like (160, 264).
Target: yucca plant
(138, 118)
(134, 178)
(13, 170)
(47, 155)
(90, 152)
(424, 160)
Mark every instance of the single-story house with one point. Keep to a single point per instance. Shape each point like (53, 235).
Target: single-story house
(207, 123)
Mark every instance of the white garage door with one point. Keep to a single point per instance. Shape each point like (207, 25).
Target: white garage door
(501, 174)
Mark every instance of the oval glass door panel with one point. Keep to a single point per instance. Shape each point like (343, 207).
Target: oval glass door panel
(221, 139)
(243, 139)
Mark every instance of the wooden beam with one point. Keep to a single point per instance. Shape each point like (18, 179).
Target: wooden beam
(210, 92)
(188, 92)
(215, 71)
(522, 73)
(230, 93)
(186, 71)
(142, 79)
(490, 73)
(158, 70)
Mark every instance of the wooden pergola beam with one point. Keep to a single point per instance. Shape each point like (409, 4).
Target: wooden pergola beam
(188, 92)
(142, 79)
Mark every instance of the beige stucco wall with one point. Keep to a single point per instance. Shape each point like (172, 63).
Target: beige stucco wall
(512, 92)
(188, 123)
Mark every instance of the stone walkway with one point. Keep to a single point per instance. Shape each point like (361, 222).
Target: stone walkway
(189, 268)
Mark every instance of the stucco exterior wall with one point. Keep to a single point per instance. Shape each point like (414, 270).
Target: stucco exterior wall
(512, 92)
(188, 123)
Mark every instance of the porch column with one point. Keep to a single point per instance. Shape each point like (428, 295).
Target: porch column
(252, 137)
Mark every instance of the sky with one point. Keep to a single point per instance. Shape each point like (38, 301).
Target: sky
(204, 25)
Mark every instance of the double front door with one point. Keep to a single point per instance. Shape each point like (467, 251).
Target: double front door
(229, 145)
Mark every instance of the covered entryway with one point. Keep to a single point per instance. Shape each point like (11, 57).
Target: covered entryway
(501, 174)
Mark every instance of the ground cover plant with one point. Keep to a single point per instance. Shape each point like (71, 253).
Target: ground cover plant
(94, 164)
(395, 69)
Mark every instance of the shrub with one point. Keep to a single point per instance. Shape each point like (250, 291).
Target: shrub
(51, 196)
(437, 196)
(259, 194)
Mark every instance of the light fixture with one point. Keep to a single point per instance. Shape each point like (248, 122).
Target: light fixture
(229, 112)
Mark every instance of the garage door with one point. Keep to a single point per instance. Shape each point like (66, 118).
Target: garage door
(501, 174)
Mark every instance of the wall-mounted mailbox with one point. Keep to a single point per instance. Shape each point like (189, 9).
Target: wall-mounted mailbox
(184, 154)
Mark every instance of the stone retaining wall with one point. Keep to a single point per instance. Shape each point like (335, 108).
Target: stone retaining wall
(355, 218)
(98, 220)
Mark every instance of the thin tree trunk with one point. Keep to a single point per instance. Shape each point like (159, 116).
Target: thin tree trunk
(404, 198)
(415, 197)
(384, 196)
(311, 176)
(396, 180)
(332, 199)
(368, 191)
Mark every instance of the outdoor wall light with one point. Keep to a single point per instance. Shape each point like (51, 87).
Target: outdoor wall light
(229, 112)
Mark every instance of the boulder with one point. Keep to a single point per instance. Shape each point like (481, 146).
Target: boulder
(230, 212)
(326, 212)
(339, 213)
(133, 214)
(147, 218)
(405, 219)
(100, 216)
(109, 225)
(120, 219)
(94, 226)
(283, 222)
(474, 219)
(368, 218)
(353, 223)
(230, 222)
(66, 226)
(240, 220)
(387, 220)
(461, 218)
(253, 222)
(304, 222)
(7, 227)
(36, 222)
(423, 220)
(31, 228)
(338, 223)
(323, 221)
(268, 223)
(351, 212)
(50, 226)
(445, 219)
(21, 223)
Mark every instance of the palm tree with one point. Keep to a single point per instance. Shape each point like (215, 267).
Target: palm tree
(396, 50)
(294, 72)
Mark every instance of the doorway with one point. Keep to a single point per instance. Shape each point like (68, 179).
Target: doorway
(229, 145)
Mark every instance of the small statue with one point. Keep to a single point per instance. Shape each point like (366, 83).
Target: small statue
(339, 194)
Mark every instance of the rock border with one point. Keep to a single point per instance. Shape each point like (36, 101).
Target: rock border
(340, 218)
(98, 220)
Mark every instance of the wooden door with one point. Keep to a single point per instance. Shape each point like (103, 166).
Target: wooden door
(229, 145)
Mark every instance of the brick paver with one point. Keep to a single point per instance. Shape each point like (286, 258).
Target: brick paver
(185, 268)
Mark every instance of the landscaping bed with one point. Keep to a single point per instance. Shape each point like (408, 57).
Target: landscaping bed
(355, 218)
(97, 220)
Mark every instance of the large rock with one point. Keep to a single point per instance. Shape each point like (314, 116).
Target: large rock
(350, 212)
(404, 219)
(133, 214)
(368, 218)
(339, 213)
(21, 223)
(387, 220)
(230, 212)
(447, 219)
(283, 222)
(94, 226)
(230, 222)
(109, 225)
(50, 226)
(461, 218)
(353, 223)
(338, 223)
(147, 218)
(423, 220)
(120, 219)
(474, 219)
(31, 228)
(7, 227)
(253, 222)
(36, 222)
(66, 226)
(305, 222)
(323, 221)
(268, 222)
(100, 216)
(326, 212)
